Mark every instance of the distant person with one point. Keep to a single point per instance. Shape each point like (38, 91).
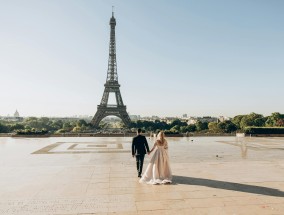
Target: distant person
(158, 170)
(139, 149)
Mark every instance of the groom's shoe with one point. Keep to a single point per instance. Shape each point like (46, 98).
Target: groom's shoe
(139, 176)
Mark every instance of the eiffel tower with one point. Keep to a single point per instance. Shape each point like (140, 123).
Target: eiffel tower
(111, 86)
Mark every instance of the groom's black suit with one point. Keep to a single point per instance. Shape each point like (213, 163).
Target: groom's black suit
(139, 149)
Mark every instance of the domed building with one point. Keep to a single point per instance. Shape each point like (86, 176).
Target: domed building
(16, 114)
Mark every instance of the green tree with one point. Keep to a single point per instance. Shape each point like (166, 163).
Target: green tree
(83, 128)
(230, 127)
(60, 131)
(191, 128)
(4, 128)
(44, 120)
(280, 122)
(175, 129)
(67, 126)
(273, 119)
(81, 122)
(200, 126)
(177, 122)
(37, 123)
(56, 125)
(237, 120)
(252, 119)
(16, 126)
(76, 129)
(183, 129)
(213, 126)
(227, 126)
(30, 119)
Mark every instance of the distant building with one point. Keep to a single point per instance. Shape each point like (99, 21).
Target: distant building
(15, 118)
(155, 118)
(111, 119)
(223, 118)
(149, 118)
(208, 119)
(184, 115)
(16, 114)
(193, 120)
(135, 117)
(169, 120)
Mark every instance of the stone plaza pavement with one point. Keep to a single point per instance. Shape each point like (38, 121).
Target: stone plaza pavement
(212, 175)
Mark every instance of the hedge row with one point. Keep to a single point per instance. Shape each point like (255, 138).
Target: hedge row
(31, 132)
(264, 130)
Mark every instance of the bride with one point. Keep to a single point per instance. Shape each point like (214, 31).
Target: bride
(158, 170)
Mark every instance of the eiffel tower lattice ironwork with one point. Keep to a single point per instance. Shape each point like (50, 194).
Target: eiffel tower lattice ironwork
(111, 86)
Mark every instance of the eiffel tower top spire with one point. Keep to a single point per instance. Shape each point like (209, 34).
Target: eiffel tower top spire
(112, 66)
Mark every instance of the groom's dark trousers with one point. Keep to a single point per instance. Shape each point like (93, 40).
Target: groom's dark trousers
(139, 149)
(139, 163)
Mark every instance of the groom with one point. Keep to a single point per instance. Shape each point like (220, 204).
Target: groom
(139, 148)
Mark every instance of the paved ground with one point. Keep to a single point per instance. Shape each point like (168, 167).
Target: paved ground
(212, 175)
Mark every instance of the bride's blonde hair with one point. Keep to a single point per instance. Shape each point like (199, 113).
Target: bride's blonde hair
(161, 136)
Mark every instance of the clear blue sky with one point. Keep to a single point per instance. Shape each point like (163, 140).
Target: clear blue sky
(205, 57)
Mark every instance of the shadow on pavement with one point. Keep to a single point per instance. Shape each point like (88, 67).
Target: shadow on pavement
(227, 186)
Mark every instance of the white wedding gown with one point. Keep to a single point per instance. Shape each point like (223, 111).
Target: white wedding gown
(158, 170)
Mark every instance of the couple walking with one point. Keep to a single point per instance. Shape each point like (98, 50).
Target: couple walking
(158, 170)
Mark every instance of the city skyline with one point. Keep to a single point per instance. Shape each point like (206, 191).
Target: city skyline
(221, 58)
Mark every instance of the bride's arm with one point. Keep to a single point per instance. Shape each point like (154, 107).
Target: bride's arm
(153, 147)
(166, 145)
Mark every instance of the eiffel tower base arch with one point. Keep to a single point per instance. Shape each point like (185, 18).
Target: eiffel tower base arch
(104, 111)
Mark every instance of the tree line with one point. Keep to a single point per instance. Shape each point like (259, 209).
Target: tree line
(238, 123)
(43, 125)
(34, 125)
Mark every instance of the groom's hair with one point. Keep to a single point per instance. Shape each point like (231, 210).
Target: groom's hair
(139, 130)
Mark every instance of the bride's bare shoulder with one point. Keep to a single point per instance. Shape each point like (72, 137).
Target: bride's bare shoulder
(158, 142)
